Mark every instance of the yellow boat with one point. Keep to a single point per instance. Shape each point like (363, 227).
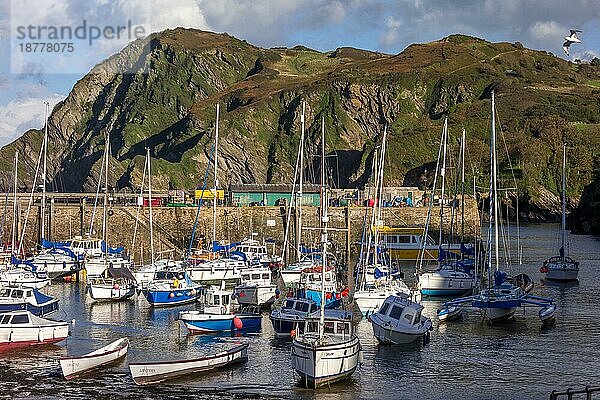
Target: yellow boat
(405, 243)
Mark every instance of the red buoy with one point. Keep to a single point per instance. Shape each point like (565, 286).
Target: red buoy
(237, 323)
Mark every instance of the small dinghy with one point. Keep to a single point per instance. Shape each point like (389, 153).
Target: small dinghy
(449, 313)
(73, 367)
(23, 329)
(155, 372)
(546, 314)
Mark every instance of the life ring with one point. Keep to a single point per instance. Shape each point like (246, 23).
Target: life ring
(110, 213)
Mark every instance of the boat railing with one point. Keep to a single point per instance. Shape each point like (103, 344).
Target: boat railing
(569, 393)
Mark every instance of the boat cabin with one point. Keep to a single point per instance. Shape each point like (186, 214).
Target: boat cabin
(89, 247)
(401, 309)
(21, 318)
(256, 276)
(300, 306)
(337, 322)
(311, 278)
(14, 294)
(218, 302)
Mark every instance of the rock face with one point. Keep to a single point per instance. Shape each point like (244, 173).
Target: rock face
(167, 103)
(586, 217)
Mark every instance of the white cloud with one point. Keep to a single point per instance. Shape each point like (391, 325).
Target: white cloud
(18, 116)
(543, 30)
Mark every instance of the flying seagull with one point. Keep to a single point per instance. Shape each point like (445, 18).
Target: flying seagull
(569, 40)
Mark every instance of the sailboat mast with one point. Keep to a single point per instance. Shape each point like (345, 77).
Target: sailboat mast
(494, 182)
(462, 185)
(150, 205)
(14, 221)
(44, 171)
(214, 235)
(105, 211)
(324, 220)
(564, 200)
(443, 175)
(379, 195)
(301, 181)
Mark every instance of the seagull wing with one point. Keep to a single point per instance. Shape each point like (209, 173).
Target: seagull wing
(566, 47)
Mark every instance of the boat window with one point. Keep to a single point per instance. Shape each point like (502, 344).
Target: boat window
(384, 308)
(5, 319)
(16, 294)
(4, 292)
(255, 276)
(404, 239)
(313, 308)
(396, 312)
(217, 300)
(29, 293)
(226, 299)
(20, 319)
(302, 306)
(343, 328)
(312, 326)
(409, 318)
(392, 239)
(328, 327)
(266, 276)
(417, 317)
(288, 304)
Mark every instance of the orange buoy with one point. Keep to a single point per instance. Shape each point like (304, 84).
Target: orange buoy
(237, 323)
(293, 333)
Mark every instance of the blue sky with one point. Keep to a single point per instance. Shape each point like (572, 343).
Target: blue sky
(27, 79)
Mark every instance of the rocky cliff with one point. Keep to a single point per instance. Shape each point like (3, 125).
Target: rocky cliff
(167, 103)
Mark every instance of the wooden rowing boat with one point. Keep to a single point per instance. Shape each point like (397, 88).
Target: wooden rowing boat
(75, 366)
(155, 372)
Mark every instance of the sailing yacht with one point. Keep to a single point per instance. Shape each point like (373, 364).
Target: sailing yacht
(329, 349)
(450, 278)
(376, 279)
(499, 301)
(561, 268)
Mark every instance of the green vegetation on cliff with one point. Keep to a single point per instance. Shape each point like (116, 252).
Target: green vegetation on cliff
(168, 103)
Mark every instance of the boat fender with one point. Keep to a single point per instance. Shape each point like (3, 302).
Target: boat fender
(237, 323)
(171, 295)
(116, 286)
(293, 333)
(193, 292)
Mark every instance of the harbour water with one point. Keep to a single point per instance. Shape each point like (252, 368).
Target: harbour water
(465, 359)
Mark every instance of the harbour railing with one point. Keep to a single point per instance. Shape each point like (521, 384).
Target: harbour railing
(569, 393)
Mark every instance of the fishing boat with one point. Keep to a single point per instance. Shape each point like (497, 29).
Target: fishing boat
(399, 321)
(23, 329)
(119, 284)
(561, 268)
(290, 316)
(13, 298)
(328, 350)
(499, 301)
(256, 288)
(72, 367)
(312, 280)
(159, 371)
(171, 289)
(247, 319)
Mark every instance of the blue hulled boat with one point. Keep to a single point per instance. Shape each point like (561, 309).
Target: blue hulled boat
(13, 298)
(171, 289)
(201, 322)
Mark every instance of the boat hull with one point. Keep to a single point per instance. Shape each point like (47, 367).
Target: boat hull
(39, 310)
(324, 364)
(110, 293)
(173, 297)
(149, 373)
(283, 327)
(12, 337)
(434, 284)
(385, 335)
(198, 323)
(562, 275)
(261, 296)
(73, 367)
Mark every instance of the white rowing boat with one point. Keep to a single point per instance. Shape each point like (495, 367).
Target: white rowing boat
(155, 372)
(75, 366)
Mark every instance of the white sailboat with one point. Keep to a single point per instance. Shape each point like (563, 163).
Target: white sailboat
(499, 301)
(329, 349)
(561, 268)
(377, 281)
(448, 279)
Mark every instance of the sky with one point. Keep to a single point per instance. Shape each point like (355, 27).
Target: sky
(29, 77)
